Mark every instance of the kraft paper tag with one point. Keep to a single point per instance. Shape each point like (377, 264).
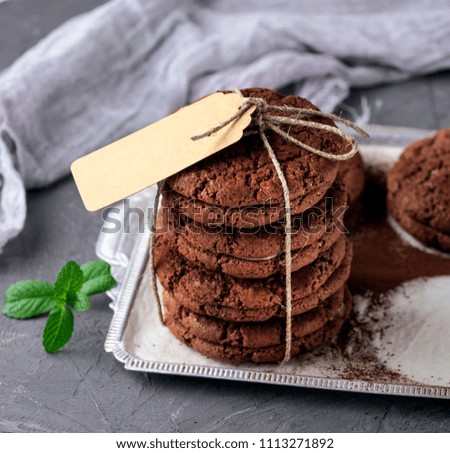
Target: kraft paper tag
(158, 151)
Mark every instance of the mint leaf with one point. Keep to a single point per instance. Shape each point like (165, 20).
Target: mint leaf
(28, 298)
(72, 288)
(58, 329)
(97, 277)
(81, 302)
(69, 280)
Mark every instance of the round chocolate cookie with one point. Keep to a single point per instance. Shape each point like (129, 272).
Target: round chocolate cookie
(251, 334)
(419, 190)
(243, 174)
(266, 240)
(335, 282)
(245, 267)
(238, 217)
(184, 279)
(235, 348)
(352, 173)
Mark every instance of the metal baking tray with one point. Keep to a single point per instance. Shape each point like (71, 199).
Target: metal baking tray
(138, 340)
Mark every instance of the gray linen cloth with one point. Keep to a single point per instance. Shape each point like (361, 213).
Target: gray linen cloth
(128, 63)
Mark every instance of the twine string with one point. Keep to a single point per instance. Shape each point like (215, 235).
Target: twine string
(287, 239)
(264, 120)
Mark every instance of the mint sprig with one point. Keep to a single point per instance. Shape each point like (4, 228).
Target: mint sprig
(73, 286)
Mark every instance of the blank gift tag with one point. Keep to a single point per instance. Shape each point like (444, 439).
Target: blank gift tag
(158, 151)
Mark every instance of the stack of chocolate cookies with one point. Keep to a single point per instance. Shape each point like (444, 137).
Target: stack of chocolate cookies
(220, 246)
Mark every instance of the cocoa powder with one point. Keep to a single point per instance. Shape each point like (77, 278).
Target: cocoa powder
(382, 259)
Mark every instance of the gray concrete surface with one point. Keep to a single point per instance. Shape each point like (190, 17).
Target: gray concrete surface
(83, 388)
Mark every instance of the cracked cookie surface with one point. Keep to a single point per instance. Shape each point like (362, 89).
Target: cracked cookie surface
(352, 173)
(248, 165)
(184, 279)
(331, 285)
(266, 240)
(255, 334)
(419, 190)
(273, 353)
(243, 267)
(238, 217)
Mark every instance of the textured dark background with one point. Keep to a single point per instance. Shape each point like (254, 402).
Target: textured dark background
(83, 388)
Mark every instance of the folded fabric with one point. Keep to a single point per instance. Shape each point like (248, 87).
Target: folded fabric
(128, 63)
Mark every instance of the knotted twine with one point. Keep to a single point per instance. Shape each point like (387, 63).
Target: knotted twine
(265, 120)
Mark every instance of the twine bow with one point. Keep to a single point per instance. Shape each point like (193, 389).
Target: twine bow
(265, 117)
